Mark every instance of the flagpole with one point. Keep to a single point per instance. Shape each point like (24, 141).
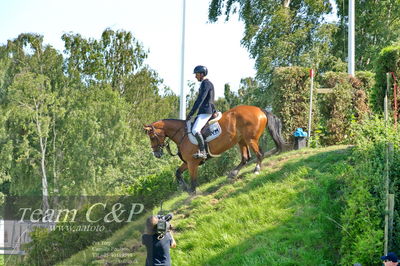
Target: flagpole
(351, 41)
(182, 109)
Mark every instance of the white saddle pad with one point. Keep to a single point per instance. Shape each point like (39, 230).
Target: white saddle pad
(214, 130)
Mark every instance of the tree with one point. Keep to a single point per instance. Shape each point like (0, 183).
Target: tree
(377, 26)
(109, 60)
(31, 106)
(5, 155)
(281, 33)
(27, 53)
(78, 132)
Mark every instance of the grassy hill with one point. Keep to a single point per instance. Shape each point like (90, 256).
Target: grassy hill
(287, 215)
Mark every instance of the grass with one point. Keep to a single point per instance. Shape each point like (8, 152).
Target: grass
(287, 215)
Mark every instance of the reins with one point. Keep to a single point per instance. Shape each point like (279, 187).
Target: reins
(166, 145)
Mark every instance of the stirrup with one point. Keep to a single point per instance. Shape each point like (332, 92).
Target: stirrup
(200, 155)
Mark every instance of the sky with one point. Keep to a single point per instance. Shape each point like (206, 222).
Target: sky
(157, 24)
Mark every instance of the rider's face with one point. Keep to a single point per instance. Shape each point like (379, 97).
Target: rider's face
(199, 76)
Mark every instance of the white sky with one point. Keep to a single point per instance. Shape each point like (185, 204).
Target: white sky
(155, 23)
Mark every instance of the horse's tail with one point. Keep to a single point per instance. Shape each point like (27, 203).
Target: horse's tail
(275, 129)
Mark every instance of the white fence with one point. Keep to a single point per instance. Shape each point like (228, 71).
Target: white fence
(15, 233)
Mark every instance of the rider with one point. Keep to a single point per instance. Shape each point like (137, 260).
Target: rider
(205, 105)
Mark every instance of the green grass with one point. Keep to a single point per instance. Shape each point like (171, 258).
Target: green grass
(287, 215)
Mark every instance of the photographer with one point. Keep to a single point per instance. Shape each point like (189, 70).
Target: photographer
(158, 239)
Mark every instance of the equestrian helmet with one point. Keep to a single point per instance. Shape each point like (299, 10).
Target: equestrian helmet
(200, 69)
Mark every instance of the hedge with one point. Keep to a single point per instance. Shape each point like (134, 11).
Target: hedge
(348, 102)
(291, 98)
(388, 61)
(362, 221)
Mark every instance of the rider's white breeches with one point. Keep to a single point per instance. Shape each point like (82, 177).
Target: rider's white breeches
(200, 123)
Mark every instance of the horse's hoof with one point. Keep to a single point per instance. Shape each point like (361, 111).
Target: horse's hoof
(183, 186)
(233, 174)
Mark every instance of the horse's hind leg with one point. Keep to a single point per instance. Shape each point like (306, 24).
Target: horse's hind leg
(179, 176)
(244, 151)
(257, 150)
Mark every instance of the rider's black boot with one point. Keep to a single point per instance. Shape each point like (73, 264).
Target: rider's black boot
(201, 154)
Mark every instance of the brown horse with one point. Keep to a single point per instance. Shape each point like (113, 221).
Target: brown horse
(242, 125)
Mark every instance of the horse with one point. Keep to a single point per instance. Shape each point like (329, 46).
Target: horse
(242, 125)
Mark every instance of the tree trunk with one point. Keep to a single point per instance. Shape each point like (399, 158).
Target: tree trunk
(43, 143)
(286, 3)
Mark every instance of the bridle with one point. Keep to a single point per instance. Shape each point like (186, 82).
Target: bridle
(160, 145)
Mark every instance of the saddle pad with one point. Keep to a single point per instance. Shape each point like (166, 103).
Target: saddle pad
(209, 132)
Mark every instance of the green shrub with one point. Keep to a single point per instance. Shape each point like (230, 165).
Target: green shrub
(219, 166)
(347, 103)
(364, 194)
(337, 107)
(388, 61)
(291, 97)
(363, 85)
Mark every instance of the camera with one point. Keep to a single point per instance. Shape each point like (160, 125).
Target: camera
(163, 225)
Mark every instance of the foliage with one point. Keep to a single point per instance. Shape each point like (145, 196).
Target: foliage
(290, 98)
(75, 129)
(106, 61)
(5, 158)
(249, 93)
(337, 107)
(363, 85)
(348, 102)
(31, 106)
(219, 166)
(388, 61)
(377, 25)
(282, 33)
(365, 197)
(50, 247)
(27, 53)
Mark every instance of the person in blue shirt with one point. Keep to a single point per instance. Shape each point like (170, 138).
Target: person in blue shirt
(157, 246)
(205, 106)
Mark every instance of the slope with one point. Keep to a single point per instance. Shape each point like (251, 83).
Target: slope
(287, 215)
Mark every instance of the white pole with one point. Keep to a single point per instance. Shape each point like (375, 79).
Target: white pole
(310, 111)
(351, 46)
(182, 109)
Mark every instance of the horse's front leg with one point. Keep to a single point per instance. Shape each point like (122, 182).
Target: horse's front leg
(179, 176)
(193, 170)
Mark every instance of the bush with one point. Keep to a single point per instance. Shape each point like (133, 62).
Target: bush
(363, 85)
(348, 102)
(219, 166)
(365, 197)
(337, 107)
(388, 61)
(291, 97)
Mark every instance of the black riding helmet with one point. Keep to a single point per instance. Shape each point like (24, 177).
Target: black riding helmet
(200, 69)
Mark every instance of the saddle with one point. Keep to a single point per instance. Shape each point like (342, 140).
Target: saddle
(210, 131)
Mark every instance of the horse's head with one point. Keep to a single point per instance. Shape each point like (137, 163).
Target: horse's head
(157, 138)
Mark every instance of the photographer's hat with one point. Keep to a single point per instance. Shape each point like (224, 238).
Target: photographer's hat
(391, 256)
